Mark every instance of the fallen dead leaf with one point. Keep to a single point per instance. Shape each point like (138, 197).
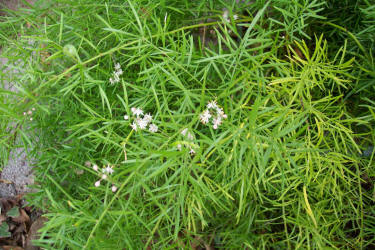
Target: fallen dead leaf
(2, 218)
(20, 229)
(33, 233)
(22, 218)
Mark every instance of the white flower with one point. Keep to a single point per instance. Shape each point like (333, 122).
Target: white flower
(97, 184)
(219, 111)
(192, 152)
(216, 122)
(217, 116)
(31, 119)
(104, 176)
(126, 117)
(30, 112)
(147, 117)
(109, 170)
(114, 188)
(226, 15)
(179, 147)
(212, 105)
(190, 136)
(117, 78)
(117, 66)
(235, 17)
(134, 126)
(153, 128)
(205, 116)
(116, 75)
(137, 111)
(95, 167)
(142, 123)
(184, 131)
(33, 109)
(24, 113)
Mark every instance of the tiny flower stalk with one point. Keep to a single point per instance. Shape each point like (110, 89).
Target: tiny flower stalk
(116, 74)
(141, 121)
(29, 113)
(188, 141)
(104, 173)
(213, 113)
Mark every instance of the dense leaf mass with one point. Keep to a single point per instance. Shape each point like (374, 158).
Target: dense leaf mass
(290, 166)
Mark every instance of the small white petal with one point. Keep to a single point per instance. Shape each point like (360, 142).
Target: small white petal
(116, 76)
(148, 117)
(97, 184)
(142, 124)
(220, 111)
(153, 128)
(104, 176)
(183, 132)
(226, 15)
(126, 117)
(114, 188)
(109, 170)
(95, 167)
(31, 119)
(192, 152)
(216, 122)
(117, 66)
(204, 120)
(134, 126)
(190, 136)
(179, 147)
(137, 111)
(212, 105)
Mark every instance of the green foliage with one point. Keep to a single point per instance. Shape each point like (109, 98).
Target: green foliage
(13, 212)
(4, 230)
(285, 170)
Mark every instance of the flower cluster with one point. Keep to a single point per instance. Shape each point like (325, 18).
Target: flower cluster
(213, 113)
(142, 120)
(116, 74)
(226, 16)
(104, 172)
(189, 137)
(30, 112)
